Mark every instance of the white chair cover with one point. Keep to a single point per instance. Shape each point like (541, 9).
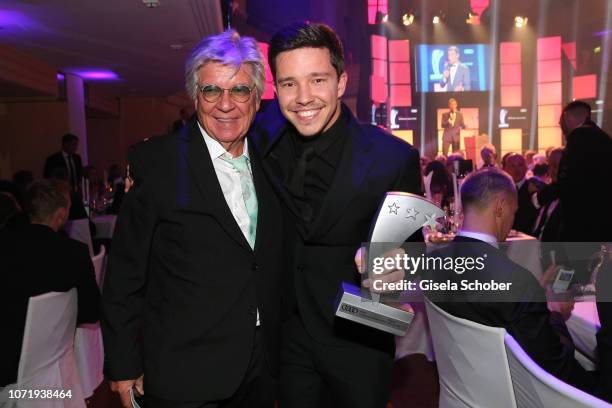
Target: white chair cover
(79, 230)
(89, 353)
(88, 347)
(535, 388)
(47, 352)
(472, 364)
(98, 263)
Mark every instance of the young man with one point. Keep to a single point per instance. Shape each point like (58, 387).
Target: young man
(332, 173)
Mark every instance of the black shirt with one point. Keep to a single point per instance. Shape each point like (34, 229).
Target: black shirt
(320, 154)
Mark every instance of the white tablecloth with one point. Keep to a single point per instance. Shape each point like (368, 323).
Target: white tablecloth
(105, 226)
(583, 325)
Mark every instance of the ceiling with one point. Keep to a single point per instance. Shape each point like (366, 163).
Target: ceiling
(135, 41)
(119, 35)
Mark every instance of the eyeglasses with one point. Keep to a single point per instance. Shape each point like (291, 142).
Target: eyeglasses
(212, 93)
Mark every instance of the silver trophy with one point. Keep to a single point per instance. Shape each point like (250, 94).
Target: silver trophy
(399, 216)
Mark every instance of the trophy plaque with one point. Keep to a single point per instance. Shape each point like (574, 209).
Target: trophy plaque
(399, 216)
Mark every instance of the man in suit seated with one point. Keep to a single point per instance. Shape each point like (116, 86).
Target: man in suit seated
(526, 215)
(36, 259)
(489, 202)
(66, 159)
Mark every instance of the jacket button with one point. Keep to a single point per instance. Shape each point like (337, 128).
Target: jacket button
(255, 267)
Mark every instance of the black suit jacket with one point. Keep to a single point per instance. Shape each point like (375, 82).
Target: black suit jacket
(528, 321)
(183, 285)
(452, 133)
(584, 186)
(37, 260)
(373, 162)
(526, 214)
(57, 160)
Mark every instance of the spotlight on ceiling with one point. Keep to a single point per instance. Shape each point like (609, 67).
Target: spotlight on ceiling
(151, 3)
(408, 19)
(520, 22)
(381, 17)
(438, 17)
(472, 18)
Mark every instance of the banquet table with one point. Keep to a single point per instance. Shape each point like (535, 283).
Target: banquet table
(105, 225)
(583, 325)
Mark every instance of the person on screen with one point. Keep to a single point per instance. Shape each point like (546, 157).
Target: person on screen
(456, 75)
(452, 123)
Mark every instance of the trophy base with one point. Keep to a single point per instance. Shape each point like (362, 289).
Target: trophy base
(352, 306)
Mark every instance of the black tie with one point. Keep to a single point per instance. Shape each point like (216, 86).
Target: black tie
(73, 176)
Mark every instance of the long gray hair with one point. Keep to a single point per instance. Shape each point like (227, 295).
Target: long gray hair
(227, 48)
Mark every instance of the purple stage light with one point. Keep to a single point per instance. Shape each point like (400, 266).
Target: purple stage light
(14, 19)
(96, 74)
(602, 33)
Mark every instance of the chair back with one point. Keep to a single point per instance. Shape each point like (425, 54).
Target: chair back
(98, 263)
(88, 347)
(47, 351)
(472, 364)
(535, 388)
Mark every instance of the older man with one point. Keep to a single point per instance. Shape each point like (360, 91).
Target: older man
(192, 294)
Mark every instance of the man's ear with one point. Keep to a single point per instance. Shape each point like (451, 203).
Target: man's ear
(499, 207)
(342, 84)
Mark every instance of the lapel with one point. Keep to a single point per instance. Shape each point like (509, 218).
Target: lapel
(269, 127)
(350, 174)
(265, 211)
(205, 177)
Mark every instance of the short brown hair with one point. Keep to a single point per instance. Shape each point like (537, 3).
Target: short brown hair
(480, 187)
(44, 197)
(305, 34)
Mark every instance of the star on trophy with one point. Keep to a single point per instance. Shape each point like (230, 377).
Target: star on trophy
(399, 216)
